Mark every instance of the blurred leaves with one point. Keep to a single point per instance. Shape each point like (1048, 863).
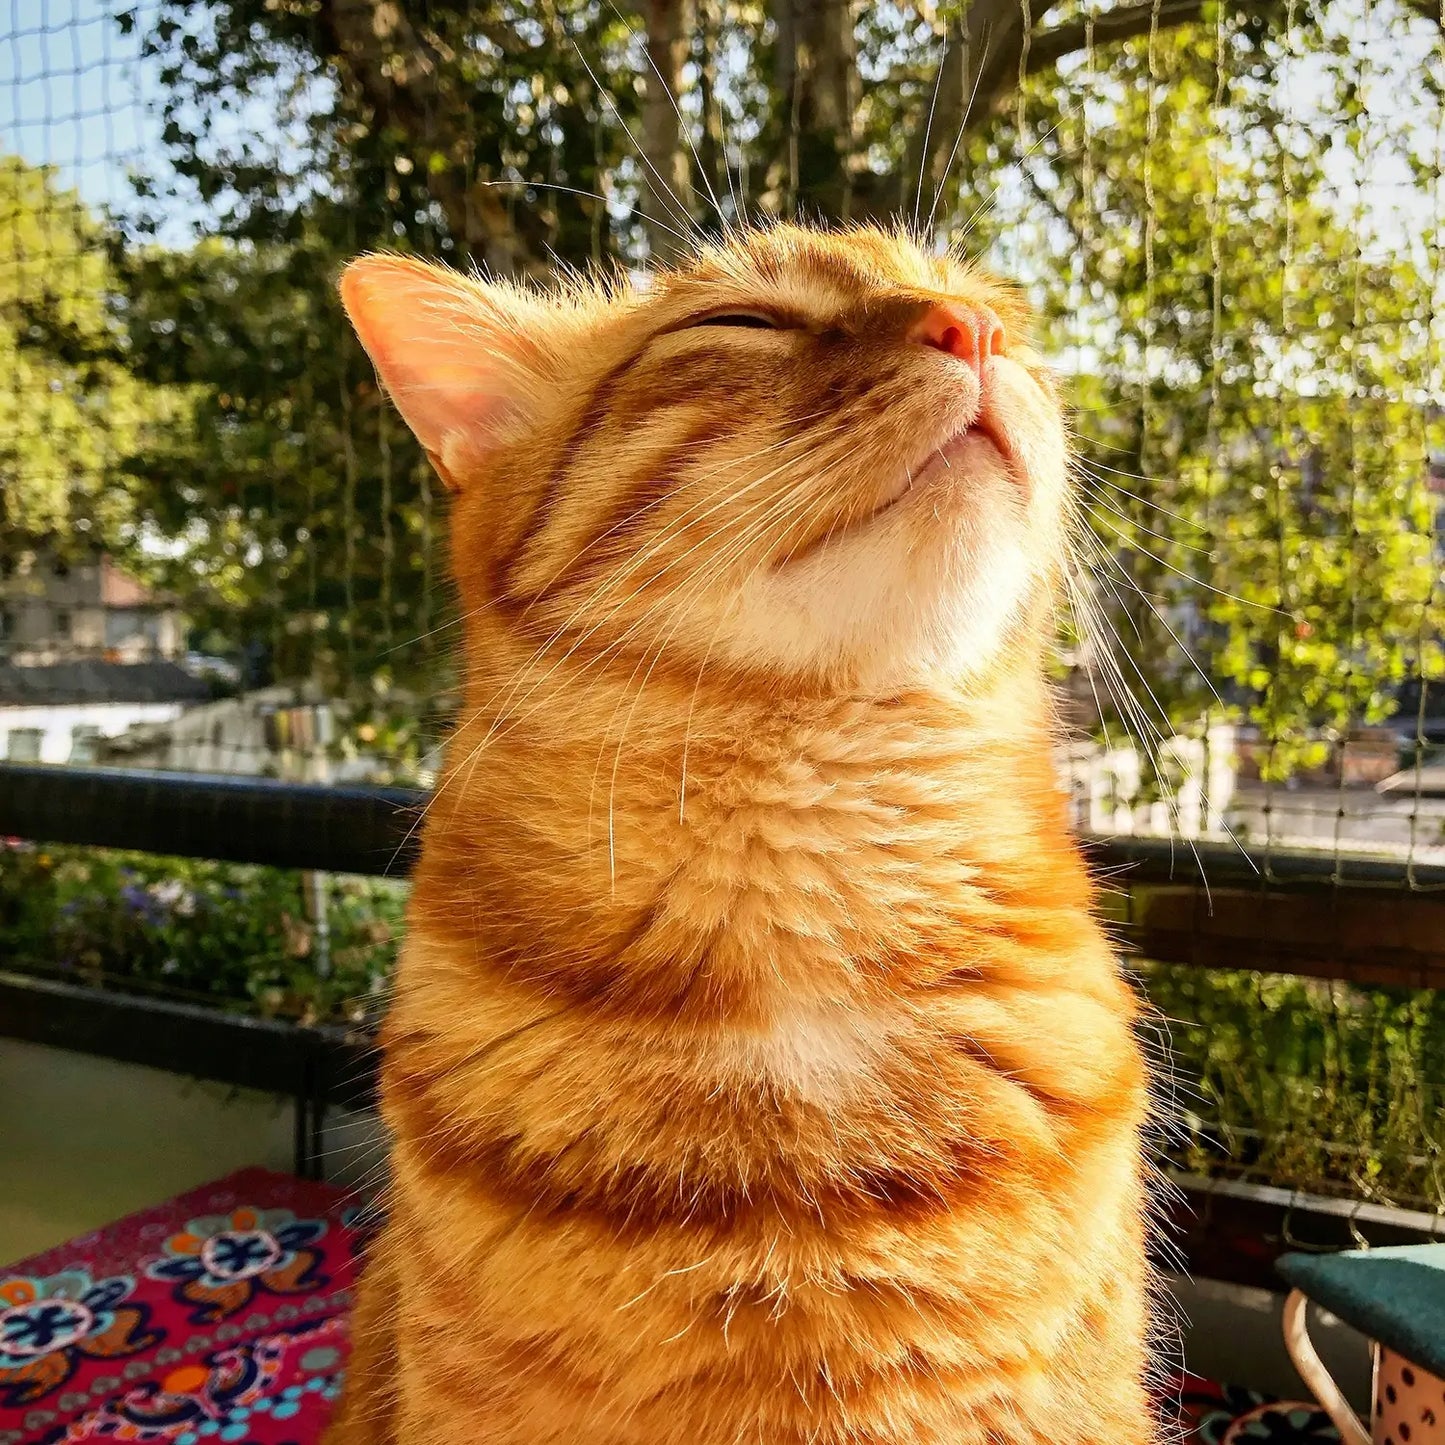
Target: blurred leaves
(238, 937)
(1255, 352)
(70, 408)
(1319, 1086)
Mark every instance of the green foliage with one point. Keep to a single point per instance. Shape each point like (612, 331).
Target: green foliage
(1319, 1086)
(70, 409)
(385, 125)
(299, 510)
(239, 937)
(1254, 356)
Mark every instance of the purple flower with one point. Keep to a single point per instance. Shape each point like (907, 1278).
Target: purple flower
(142, 903)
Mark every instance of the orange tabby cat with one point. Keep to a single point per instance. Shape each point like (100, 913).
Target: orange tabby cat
(757, 1071)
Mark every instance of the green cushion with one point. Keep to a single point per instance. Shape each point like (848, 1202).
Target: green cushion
(1394, 1295)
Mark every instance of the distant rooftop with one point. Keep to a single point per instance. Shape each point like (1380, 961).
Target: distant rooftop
(76, 682)
(1428, 781)
(120, 589)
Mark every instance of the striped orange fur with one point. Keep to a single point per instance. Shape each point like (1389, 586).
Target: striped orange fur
(757, 1071)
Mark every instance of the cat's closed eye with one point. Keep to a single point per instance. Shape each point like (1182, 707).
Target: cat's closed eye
(742, 318)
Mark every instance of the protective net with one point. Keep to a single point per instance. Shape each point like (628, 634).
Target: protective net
(219, 552)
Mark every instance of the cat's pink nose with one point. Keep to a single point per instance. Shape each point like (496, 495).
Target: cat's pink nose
(971, 333)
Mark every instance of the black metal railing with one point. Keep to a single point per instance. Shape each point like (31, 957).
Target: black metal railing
(365, 829)
(1363, 918)
(337, 829)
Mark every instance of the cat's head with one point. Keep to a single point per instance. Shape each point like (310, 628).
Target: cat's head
(825, 457)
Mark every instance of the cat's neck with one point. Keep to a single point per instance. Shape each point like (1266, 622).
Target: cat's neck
(644, 838)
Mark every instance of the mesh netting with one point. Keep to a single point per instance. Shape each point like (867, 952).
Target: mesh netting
(220, 551)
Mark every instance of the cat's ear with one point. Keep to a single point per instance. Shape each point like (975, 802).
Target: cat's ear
(459, 358)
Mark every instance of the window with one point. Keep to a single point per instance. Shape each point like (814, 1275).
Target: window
(126, 626)
(24, 745)
(119, 626)
(84, 743)
(62, 624)
(7, 623)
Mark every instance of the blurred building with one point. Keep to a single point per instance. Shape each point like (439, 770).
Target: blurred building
(276, 732)
(54, 610)
(62, 712)
(86, 652)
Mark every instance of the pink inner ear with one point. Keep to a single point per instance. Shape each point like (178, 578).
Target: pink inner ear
(447, 354)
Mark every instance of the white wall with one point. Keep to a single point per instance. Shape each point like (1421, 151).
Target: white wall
(1105, 785)
(245, 735)
(57, 723)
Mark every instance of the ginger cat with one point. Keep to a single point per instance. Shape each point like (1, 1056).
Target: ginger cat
(757, 1070)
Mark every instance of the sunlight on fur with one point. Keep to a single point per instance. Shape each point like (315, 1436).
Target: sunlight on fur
(757, 1069)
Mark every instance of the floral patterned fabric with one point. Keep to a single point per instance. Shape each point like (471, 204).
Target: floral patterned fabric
(218, 1317)
(222, 1317)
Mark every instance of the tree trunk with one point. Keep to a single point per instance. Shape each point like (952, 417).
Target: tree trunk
(991, 48)
(712, 146)
(668, 206)
(980, 63)
(404, 72)
(816, 92)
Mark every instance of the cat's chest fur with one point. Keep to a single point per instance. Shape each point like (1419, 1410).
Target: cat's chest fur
(813, 1078)
(816, 919)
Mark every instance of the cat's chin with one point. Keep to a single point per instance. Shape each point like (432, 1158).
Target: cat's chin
(932, 580)
(972, 455)
(981, 445)
(952, 473)
(968, 473)
(970, 459)
(937, 574)
(949, 500)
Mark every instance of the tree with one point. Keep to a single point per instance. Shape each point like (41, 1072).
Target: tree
(1256, 424)
(70, 409)
(298, 508)
(814, 91)
(1266, 399)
